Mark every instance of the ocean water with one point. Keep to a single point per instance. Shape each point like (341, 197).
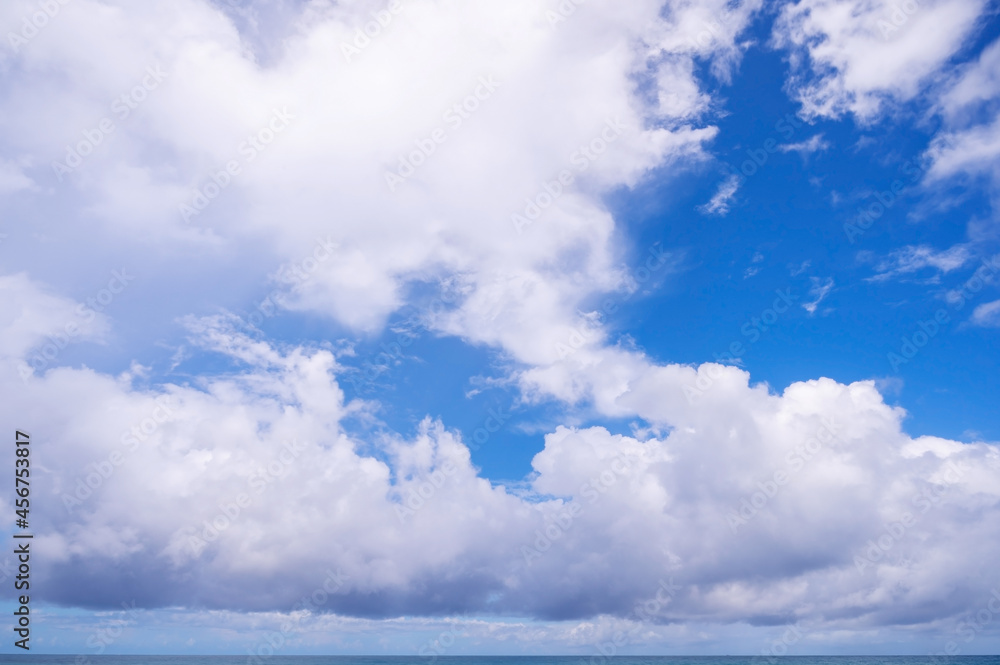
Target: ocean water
(17, 659)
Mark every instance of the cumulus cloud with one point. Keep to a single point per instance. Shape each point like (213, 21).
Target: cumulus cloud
(859, 57)
(708, 31)
(337, 161)
(451, 179)
(237, 492)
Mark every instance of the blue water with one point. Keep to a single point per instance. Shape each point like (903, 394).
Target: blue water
(17, 659)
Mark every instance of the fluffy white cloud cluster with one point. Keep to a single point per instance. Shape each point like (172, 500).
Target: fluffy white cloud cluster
(416, 145)
(855, 56)
(241, 492)
(468, 145)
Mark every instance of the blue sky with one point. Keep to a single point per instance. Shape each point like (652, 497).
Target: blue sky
(504, 321)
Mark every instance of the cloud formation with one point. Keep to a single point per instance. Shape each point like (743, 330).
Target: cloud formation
(237, 492)
(858, 57)
(336, 170)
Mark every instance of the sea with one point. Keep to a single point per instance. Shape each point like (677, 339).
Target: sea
(18, 659)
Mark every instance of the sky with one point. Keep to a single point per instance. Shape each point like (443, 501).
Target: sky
(428, 327)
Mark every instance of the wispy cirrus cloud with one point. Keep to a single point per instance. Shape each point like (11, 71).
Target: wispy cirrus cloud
(987, 315)
(720, 202)
(914, 258)
(819, 290)
(813, 144)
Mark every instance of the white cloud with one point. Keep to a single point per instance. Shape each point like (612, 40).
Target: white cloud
(969, 144)
(913, 258)
(972, 84)
(809, 146)
(165, 465)
(34, 316)
(795, 271)
(987, 314)
(855, 56)
(753, 269)
(561, 98)
(708, 30)
(819, 290)
(720, 201)
(13, 179)
(970, 151)
(279, 423)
